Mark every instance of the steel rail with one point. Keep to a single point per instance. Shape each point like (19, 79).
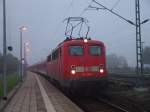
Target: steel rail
(112, 105)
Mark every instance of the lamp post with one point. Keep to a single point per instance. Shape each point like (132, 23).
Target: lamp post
(22, 29)
(4, 53)
(26, 44)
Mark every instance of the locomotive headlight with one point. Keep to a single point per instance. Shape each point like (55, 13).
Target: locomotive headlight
(85, 40)
(73, 72)
(101, 70)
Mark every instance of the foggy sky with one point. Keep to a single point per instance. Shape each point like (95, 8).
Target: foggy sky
(43, 19)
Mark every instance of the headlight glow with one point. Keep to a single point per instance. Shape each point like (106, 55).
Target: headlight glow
(73, 72)
(101, 70)
(85, 40)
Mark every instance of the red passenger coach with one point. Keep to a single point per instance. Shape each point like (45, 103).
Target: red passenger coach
(78, 63)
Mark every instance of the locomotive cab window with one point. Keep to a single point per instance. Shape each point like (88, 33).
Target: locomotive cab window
(95, 50)
(76, 50)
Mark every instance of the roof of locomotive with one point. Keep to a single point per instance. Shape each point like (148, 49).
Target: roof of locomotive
(69, 41)
(77, 41)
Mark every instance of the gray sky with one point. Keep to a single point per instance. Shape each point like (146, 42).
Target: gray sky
(45, 28)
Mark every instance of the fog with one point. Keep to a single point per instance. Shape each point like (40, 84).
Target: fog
(43, 18)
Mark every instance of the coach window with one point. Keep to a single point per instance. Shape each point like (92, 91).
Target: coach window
(52, 55)
(55, 54)
(49, 58)
(95, 50)
(60, 52)
(76, 50)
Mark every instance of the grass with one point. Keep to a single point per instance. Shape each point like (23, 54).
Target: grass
(1, 87)
(12, 80)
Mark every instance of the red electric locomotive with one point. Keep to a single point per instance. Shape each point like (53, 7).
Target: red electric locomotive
(78, 64)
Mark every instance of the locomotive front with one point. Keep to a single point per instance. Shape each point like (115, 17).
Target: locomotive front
(84, 63)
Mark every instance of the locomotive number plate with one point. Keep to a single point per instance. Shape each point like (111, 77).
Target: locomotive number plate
(79, 69)
(94, 68)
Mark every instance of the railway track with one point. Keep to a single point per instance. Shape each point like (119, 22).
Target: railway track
(130, 80)
(98, 105)
(117, 102)
(112, 105)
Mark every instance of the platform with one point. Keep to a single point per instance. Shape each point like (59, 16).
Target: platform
(37, 95)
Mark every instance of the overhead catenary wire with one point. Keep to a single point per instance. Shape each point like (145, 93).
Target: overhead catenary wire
(73, 26)
(65, 13)
(82, 12)
(130, 22)
(68, 8)
(85, 9)
(115, 5)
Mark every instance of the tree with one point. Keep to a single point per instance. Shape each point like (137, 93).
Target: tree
(146, 55)
(123, 62)
(116, 63)
(12, 63)
(112, 61)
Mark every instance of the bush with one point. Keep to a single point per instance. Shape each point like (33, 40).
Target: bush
(12, 80)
